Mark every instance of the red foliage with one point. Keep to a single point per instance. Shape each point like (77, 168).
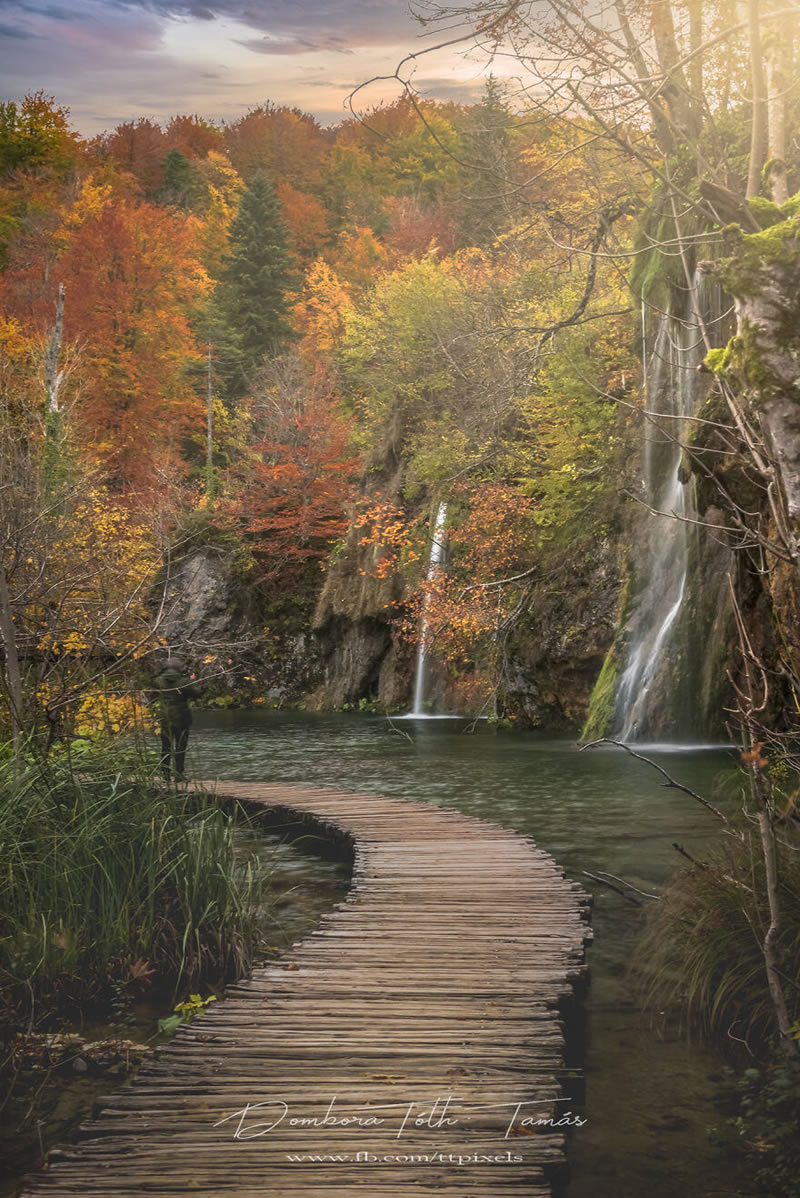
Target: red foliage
(194, 137)
(285, 143)
(416, 229)
(294, 500)
(139, 147)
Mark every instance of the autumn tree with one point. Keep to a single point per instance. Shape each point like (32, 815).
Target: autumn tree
(36, 134)
(140, 148)
(132, 279)
(292, 497)
(280, 142)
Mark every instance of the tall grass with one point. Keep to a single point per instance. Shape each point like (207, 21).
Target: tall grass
(105, 876)
(701, 949)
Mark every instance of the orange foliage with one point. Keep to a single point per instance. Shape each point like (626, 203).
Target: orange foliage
(487, 546)
(131, 274)
(306, 220)
(194, 137)
(358, 257)
(140, 148)
(385, 526)
(285, 143)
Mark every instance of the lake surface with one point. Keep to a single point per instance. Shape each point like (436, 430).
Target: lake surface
(650, 1097)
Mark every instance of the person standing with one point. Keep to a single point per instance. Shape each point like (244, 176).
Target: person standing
(173, 690)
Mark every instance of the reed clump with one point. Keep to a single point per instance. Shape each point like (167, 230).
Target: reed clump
(107, 878)
(701, 950)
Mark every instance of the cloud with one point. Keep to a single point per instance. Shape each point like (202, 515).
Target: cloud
(16, 31)
(113, 60)
(297, 26)
(53, 11)
(295, 45)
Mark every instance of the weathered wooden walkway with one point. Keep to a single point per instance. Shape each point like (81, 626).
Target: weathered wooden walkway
(410, 1025)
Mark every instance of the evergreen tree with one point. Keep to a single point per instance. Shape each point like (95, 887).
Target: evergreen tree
(488, 148)
(179, 187)
(256, 276)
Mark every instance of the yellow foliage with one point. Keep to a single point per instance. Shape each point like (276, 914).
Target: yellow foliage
(101, 714)
(14, 345)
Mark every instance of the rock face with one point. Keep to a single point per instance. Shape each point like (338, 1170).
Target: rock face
(761, 368)
(214, 615)
(556, 654)
(200, 608)
(550, 662)
(353, 630)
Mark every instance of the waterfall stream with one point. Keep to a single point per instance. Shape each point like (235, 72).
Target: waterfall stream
(434, 562)
(655, 692)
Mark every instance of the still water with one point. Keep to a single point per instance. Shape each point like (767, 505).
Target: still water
(650, 1097)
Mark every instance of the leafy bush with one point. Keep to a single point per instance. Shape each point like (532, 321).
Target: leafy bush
(769, 1121)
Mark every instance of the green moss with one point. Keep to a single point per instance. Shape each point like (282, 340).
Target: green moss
(601, 704)
(765, 211)
(716, 360)
(741, 363)
(756, 253)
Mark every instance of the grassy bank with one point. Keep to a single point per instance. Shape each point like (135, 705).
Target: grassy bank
(107, 880)
(702, 956)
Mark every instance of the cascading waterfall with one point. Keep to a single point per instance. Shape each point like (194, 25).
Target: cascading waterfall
(649, 700)
(434, 562)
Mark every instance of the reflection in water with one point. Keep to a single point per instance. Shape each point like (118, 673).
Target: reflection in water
(649, 1097)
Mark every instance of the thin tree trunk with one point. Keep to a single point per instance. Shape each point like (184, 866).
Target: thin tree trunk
(758, 126)
(13, 676)
(675, 89)
(779, 76)
(209, 436)
(696, 65)
(53, 417)
(769, 944)
(660, 124)
(52, 376)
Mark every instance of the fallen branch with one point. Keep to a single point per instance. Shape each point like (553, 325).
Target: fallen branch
(671, 783)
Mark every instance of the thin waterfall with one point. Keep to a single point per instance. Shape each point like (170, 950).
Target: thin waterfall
(649, 700)
(434, 562)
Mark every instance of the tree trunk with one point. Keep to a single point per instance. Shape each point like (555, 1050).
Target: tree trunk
(675, 89)
(12, 671)
(758, 127)
(779, 79)
(769, 944)
(52, 376)
(695, 69)
(660, 124)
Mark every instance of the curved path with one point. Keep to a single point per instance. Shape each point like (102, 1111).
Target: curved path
(391, 1051)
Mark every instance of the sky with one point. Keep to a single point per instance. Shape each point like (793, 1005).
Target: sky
(111, 60)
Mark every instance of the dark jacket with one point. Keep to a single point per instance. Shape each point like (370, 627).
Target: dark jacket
(173, 690)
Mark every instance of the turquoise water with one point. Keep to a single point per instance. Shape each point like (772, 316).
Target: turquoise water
(650, 1096)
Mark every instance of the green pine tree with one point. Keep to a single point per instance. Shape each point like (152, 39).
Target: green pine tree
(179, 187)
(488, 149)
(251, 299)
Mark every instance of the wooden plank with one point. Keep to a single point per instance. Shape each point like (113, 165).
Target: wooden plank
(395, 1050)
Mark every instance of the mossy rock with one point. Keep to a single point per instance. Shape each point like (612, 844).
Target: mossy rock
(602, 704)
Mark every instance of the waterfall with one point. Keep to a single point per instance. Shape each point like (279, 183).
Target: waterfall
(655, 692)
(434, 562)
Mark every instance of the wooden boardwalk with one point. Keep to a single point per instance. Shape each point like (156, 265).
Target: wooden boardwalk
(398, 1038)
